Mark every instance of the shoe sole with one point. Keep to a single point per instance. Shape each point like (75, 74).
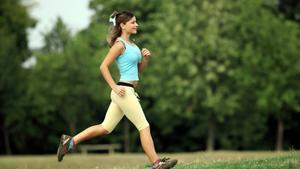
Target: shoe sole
(59, 155)
(173, 164)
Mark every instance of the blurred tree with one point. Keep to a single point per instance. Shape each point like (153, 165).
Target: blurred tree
(14, 22)
(194, 59)
(270, 61)
(219, 72)
(57, 39)
(65, 79)
(290, 8)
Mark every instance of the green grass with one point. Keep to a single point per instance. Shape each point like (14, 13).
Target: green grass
(198, 160)
(287, 162)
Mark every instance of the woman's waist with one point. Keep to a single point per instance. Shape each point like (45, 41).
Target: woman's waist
(130, 83)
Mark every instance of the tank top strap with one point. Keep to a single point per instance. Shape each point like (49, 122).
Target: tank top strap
(125, 42)
(122, 41)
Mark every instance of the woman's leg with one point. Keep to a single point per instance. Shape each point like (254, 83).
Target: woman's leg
(112, 118)
(132, 109)
(91, 132)
(147, 144)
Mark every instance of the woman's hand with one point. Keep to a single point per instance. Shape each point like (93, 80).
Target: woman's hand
(146, 53)
(119, 90)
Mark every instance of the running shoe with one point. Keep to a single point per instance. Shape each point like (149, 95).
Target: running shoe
(63, 146)
(166, 163)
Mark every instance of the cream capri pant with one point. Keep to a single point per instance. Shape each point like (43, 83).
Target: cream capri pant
(127, 105)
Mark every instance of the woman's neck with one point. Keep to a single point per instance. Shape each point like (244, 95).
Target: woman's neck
(126, 37)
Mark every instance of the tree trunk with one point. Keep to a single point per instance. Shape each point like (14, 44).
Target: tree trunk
(6, 141)
(126, 136)
(280, 130)
(72, 128)
(211, 135)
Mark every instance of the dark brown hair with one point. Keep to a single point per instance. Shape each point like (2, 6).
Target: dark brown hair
(116, 31)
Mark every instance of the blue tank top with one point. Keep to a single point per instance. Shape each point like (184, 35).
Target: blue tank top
(128, 61)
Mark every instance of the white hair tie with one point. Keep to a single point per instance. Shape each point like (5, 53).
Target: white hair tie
(113, 20)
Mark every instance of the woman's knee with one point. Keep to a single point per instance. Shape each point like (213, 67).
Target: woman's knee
(144, 125)
(104, 131)
(145, 128)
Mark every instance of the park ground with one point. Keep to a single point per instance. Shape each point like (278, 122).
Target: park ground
(196, 160)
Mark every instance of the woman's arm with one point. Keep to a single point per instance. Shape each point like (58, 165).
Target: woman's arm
(146, 56)
(115, 51)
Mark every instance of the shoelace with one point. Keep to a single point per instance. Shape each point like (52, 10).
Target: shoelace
(164, 159)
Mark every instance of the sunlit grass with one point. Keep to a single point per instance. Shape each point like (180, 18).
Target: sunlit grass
(198, 160)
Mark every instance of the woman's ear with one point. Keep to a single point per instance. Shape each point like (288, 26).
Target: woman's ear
(122, 25)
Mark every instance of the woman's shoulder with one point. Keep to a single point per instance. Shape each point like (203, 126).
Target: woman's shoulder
(118, 46)
(121, 42)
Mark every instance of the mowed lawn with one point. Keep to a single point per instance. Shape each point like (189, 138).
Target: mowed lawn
(198, 160)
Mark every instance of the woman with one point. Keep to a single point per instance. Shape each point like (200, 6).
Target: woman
(124, 99)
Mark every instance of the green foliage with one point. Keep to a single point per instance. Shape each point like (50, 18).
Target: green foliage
(65, 80)
(14, 22)
(195, 59)
(220, 72)
(271, 71)
(290, 8)
(57, 39)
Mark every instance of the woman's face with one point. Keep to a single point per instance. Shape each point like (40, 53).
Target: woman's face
(130, 26)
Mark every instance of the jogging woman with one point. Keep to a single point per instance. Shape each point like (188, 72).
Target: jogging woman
(124, 100)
